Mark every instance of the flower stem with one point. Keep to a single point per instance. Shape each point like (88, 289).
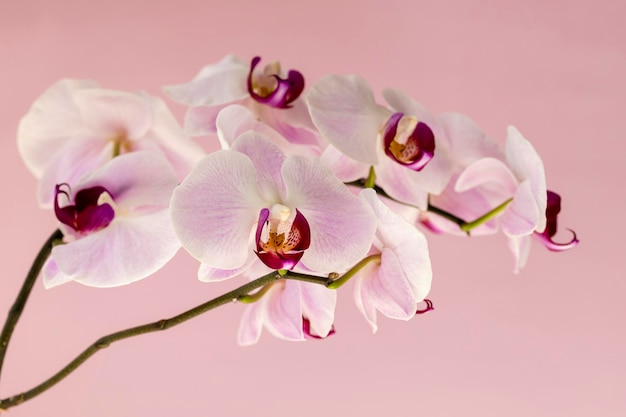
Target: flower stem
(370, 181)
(22, 297)
(106, 341)
(486, 217)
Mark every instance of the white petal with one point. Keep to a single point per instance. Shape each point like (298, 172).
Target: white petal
(527, 164)
(52, 275)
(520, 248)
(522, 215)
(284, 311)
(468, 142)
(112, 113)
(346, 169)
(251, 324)
(127, 250)
(52, 121)
(399, 183)
(267, 159)
(215, 209)
(342, 228)
(215, 84)
(345, 112)
(318, 305)
(487, 171)
(361, 296)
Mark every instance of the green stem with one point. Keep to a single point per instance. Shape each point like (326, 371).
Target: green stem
(486, 217)
(370, 181)
(334, 284)
(22, 297)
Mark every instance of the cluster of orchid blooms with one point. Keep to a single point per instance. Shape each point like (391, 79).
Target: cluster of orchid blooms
(325, 182)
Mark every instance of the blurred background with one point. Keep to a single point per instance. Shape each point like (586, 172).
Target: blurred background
(547, 342)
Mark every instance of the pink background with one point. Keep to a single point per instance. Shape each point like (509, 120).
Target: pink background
(548, 342)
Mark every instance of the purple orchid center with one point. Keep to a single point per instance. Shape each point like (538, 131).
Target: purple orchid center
(552, 210)
(306, 329)
(408, 141)
(281, 237)
(269, 88)
(90, 211)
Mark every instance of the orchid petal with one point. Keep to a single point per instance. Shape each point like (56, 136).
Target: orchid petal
(115, 113)
(522, 215)
(361, 296)
(527, 165)
(215, 84)
(318, 305)
(520, 247)
(201, 121)
(284, 311)
(52, 121)
(346, 114)
(53, 276)
(215, 227)
(251, 269)
(487, 171)
(127, 250)
(251, 324)
(345, 168)
(341, 226)
(468, 142)
(267, 159)
(399, 183)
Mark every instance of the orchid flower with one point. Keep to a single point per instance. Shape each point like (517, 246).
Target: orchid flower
(252, 203)
(401, 279)
(402, 145)
(523, 178)
(76, 127)
(270, 94)
(290, 310)
(115, 223)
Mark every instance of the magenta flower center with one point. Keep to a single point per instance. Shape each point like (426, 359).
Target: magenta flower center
(553, 208)
(90, 210)
(282, 236)
(269, 88)
(408, 141)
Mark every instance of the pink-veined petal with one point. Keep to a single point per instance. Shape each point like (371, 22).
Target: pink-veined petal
(318, 305)
(112, 114)
(389, 289)
(487, 171)
(268, 159)
(129, 249)
(253, 268)
(215, 209)
(407, 243)
(219, 83)
(527, 165)
(51, 122)
(284, 311)
(345, 112)
(202, 120)
(468, 142)
(522, 215)
(342, 228)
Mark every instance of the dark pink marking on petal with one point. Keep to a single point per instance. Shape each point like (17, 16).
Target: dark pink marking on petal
(275, 260)
(287, 90)
(429, 307)
(264, 214)
(85, 215)
(301, 231)
(552, 210)
(306, 329)
(419, 148)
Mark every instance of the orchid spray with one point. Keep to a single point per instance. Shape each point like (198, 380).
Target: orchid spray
(309, 190)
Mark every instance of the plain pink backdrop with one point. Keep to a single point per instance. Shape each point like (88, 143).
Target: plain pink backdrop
(547, 342)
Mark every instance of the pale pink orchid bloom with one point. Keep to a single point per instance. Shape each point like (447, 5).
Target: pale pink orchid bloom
(269, 93)
(116, 223)
(402, 279)
(75, 127)
(290, 310)
(253, 203)
(405, 145)
(523, 179)
(467, 144)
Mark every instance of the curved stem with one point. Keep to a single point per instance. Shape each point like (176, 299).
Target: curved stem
(22, 297)
(156, 326)
(334, 284)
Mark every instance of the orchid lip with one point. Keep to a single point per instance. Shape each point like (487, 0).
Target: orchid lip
(553, 208)
(408, 141)
(88, 213)
(282, 248)
(429, 307)
(282, 93)
(306, 329)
